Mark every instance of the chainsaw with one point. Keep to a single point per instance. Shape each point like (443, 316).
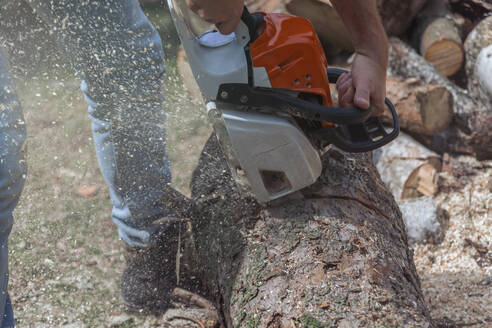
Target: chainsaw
(268, 98)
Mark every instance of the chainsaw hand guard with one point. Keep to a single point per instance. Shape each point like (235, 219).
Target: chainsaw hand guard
(363, 136)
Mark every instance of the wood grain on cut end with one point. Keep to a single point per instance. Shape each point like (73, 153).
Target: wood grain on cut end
(436, 109)
(446, 55)
(423, 180)
(441, 45)
(423, 109)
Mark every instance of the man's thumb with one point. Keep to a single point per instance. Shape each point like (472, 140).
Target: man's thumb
(362, 98)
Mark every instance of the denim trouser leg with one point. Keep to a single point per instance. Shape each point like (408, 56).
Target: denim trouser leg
(119, 56)
(12, 176)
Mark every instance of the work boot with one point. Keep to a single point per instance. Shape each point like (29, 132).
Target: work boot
(150, 274)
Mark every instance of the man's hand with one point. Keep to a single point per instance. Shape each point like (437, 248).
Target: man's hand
(225, 14)
(367, 82)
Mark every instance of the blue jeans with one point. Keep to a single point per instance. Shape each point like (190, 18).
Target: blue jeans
(118, 55)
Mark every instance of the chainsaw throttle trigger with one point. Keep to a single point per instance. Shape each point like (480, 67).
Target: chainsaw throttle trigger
(361, 136)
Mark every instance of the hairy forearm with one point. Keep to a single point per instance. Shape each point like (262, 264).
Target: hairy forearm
(364, 25)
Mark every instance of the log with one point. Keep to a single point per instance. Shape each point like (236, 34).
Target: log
(396, 17)
(410, 171)
(422, 181)
(437, 37)
(404, 167)
(441, 45)
(334, 254)
(424, 219)
(476, 45)
(422, 108)
(470, 131)
(326, 21)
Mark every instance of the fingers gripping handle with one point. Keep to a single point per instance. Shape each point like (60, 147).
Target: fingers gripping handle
(361, 137)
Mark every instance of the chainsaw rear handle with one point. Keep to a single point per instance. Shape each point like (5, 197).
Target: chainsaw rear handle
(335, 73)
(359, 137)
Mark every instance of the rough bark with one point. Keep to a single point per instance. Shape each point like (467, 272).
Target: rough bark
(476, 43)
(437, 37)
(470, 131)
(422, 108)
(335, 254)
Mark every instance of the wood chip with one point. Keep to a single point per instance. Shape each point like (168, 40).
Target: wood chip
(87, 191)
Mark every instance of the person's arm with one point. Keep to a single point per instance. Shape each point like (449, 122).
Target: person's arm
(225, 14)
(367, 81)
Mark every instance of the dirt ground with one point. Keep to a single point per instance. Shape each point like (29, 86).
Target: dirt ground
(65, 256)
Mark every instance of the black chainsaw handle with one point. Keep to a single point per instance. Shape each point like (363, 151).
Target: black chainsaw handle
(333, 75)
(276, 100)
(368, 135)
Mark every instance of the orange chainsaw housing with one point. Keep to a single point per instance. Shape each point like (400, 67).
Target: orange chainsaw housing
(292, 55)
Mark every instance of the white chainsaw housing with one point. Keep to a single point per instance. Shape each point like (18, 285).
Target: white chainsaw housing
(270, 152)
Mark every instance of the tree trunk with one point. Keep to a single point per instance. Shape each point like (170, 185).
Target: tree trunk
(422, 108)
(470, 131)
(335, 254)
